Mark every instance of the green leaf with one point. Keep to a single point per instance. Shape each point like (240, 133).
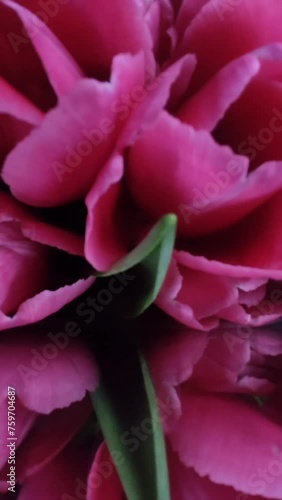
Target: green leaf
(161, 468)
(126, 408)
(148, 263)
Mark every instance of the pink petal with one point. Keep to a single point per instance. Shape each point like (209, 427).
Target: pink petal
(36, 230)
(110, 210)
(256, 258)
(157, 92)
(62, 70)
(212, 362)
(168, 301)
(267, 342)
(226, 269)
(160, 17)
(188, 10)
(253, 297)
(62, 174)
(64, 476)
(186, 484)
(171, 363)
(254, 130)
(184, 148)
(20, 66)
(208, 106)
(220, 367)
(12, 132)
(15, 104)
(96, 26)
(206, 293)
(181, 84)
(100, 487)
(222, 195)
(258, 25)
(255, 386)
(21, 256)
(44, 304)
(48, 438)
(21, 236)
(225, 362)
(19, 259)
(179, 299)
(183, 305)
(101, 229)
(254, 443)
(47, 371)
(113, 225)
(52, 236)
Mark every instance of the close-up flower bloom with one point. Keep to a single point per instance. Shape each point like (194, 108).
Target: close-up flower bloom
(140, 169)
(176, 74)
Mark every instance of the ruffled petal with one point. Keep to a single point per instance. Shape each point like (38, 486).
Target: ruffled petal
(49, 371)
(186, 484)
(242, 463)
(70, 147)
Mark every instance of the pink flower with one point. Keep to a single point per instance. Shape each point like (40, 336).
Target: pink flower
(220, 400)
(147, 107)
(63, 120)
(213, 157)
(47, 396)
